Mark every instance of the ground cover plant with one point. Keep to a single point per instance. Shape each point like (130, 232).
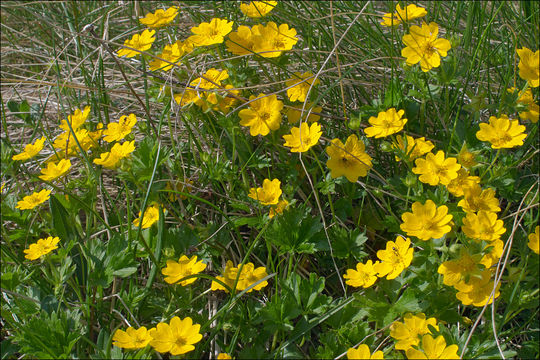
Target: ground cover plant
(269, 179)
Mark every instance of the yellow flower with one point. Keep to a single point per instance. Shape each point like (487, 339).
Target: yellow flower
(41, 247)
(435, 169)
(386, 123)
(226, 99)
(463, 181)
(427, 221)
(271, 40)
(31, 201)
(526, 98)
(411, 147)
(396, 258)
(363, 353)
(533, 243)
(151, 216)
(365, 275)
(529, 66)
(350, 159)
(132, 338)
(466, 158)
(30, 150)
(459, 270)
(160, 17)
(294, 113)
(118, 152)
(256, 9)
(300, 85)
(278, 208)
(481, 291)
(477, 199)
(407, 332)
(140, 42)
(224, 356)
(172, 54)
(76, 120)
(263, 114)
(177, 337)
(118, 131)
(240, 42)
(197, 93)
(483, 226)
(54, 171)
(247, 277)
(423, 46)
(67, 142)
(410, 12)
(303, 138)
(185, 266)
(210, 33)
(433, 349)
(502, 132)
(494, 254)
(269, 193)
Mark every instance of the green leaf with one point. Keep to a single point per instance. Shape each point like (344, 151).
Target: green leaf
(295, 231)
(61, 220)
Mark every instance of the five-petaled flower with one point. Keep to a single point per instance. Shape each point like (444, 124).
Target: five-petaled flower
(386, 123)
(118, 131)
(160, 18)
(177, 337)
(363, 353)
(407, 332)
(502, 132)
(483, 226)
(247, 276)
(76, 120)
(427, 221)
(132, 338)
(365, 275)
(301, 83)
(139, 42)
(422, 46)
(268, 194)
(410, 12)
(395, 258)
(435, 169)
(263, 114)
(54, 171)
(41, 247)
(118, 152)
(185, 266)
(411, 147)
(303, 138)
(529, 66)
(433, 349)
(209, 33)
(31, 201)
(151, 216)
(350, 159)
(30, 150)
(256, 9)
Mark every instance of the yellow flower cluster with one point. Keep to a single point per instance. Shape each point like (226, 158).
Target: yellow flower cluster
(208, 92)
(422, 46)
(386, 123)
(414, 337)
(137, 44)
(502, 132)
(177, 337)
(394, 259)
